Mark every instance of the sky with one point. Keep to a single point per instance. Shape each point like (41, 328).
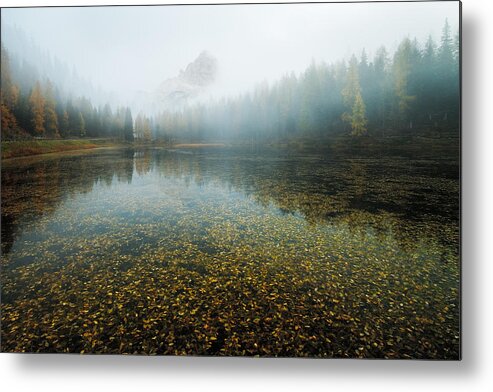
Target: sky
(124, 49)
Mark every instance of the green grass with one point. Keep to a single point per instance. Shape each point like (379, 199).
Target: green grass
(13, 149)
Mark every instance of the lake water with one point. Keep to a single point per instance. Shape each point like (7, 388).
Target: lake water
(224, 251)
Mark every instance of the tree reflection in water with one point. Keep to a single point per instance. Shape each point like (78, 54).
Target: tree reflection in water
(231, 252)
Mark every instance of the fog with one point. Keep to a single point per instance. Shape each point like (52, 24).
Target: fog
(128, 50)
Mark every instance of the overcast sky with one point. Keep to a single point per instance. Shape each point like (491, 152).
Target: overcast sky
(136, 48)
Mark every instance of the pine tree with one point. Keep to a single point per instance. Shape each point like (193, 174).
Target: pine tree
(358, 120)
(456, 48)
(380, 92)
(64, 124)
(9, 91)
(429, 91)
(50, 113)
(81, 125)
(146, 130)
(446, 53)
(107, 121)
(353, 100)
(139, 127)
(128, 127)
(9, 94)
(402, 69)
(37, 103)
(448, 76)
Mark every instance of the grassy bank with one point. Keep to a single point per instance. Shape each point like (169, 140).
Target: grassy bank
(13, 149)
(346, 145)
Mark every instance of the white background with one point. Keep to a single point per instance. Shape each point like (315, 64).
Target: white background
(473, 373)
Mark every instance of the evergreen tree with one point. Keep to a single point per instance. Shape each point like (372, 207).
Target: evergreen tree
(402, 69)
(456, 49)
(359, 121)
(356, 116)
(448, 75)
(446, 53)
(128, 129)
(146, 130)
(81, 125)
(73, 118)
(139, 127)
(429, 92)
(9, 94)
(107, 122)
(50, 111)
(64, 124)
(37, 102)
(381, 88)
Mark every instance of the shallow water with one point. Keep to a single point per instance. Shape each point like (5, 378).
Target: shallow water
(224, 251)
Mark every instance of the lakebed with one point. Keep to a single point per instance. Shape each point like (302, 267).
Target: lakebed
(231, 251)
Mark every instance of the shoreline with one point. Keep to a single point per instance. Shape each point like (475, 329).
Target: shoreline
(30, 148)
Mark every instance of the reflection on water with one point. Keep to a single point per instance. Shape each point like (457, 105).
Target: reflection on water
(231, 252)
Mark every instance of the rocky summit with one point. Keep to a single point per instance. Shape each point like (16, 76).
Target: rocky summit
(197, 76)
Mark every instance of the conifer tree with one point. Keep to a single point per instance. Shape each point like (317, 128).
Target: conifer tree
(402, 70)
(356, 116)
(50, 113)
(64, 124)
(446, 52)
(128, 127)
(81, 125)
(9, 94)
(37, 103)
(139, 127)
(146, 130)
(358, 120)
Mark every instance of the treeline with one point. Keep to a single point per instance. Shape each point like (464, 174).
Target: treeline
(413, 91)
(38, 110)
(29, 62)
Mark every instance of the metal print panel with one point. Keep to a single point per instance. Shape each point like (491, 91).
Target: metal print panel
(274, 180)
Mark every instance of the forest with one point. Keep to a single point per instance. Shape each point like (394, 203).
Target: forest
(413, 91)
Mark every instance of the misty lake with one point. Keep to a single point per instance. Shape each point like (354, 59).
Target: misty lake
(224, 251)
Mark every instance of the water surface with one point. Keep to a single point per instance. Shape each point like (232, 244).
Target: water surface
(224, 251)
